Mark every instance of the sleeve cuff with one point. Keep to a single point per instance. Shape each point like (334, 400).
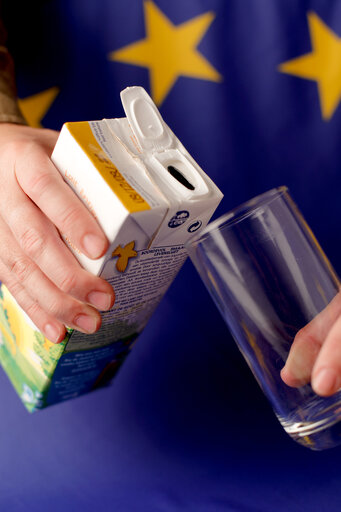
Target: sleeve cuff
(9, 108)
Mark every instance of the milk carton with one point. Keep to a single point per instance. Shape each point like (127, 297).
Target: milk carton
(149, 196)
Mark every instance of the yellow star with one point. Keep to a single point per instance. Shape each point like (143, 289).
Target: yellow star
(34, 108)
(169, 51)
(322, 65)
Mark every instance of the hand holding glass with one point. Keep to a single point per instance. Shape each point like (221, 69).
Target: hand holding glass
(271, 281)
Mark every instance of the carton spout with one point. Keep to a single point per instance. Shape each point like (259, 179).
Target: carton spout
(169, 164)
(172, 170)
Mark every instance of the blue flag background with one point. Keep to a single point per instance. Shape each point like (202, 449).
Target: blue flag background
(252, 88)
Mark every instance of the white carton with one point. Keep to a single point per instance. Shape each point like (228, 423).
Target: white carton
(149, 196)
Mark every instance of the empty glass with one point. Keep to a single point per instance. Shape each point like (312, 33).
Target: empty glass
(269, 277)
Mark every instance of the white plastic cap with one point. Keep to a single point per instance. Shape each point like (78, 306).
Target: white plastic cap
(169, 164)
(145, 120)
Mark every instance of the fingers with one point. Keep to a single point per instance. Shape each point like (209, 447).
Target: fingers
(40, 241)
(35, 264)
(326, 374)
(315, 355)
(40, 181)
(51, 328)
(301, 360)
(48, 306)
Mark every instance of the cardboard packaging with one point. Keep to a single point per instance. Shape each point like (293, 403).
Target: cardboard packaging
(149, 196)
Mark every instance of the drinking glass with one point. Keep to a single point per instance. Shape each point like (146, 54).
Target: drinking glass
(269, 277)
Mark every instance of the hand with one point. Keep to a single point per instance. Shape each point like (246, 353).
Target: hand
(315, 355)
(35, 264)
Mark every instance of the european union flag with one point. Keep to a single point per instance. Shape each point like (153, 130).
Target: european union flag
(252, 88)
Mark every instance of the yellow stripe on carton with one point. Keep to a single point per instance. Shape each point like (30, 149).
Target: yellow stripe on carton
(128, 196)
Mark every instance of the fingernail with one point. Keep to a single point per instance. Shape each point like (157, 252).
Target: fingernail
(325, 382)
(94, 245)
(52, 333)
(86, 323)
(100, 300)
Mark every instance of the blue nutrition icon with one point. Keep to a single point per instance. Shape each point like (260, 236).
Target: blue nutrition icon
(178, 219)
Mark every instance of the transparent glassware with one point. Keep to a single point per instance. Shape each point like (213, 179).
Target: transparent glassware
(269, 277)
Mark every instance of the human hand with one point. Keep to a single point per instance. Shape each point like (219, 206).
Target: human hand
(35, 264)
(315, 355)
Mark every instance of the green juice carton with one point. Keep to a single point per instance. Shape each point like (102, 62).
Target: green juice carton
(150, 197)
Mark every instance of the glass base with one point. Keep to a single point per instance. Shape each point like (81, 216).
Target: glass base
(318, 433)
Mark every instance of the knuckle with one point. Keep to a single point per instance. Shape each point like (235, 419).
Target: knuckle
(300, 337)
(21, 268)
(32, 242)
(68, 282)
(305, 340)
(70, 216)
(30, 147)
(60, 306)
(55, 307)
(33, 310)
(39, 183)
(26, 149)
(13, 286)
(303, 336)
(15, 146)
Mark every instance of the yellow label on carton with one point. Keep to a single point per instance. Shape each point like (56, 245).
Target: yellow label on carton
(128, 196)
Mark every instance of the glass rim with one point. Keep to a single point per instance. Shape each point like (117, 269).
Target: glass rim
(239, 213)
